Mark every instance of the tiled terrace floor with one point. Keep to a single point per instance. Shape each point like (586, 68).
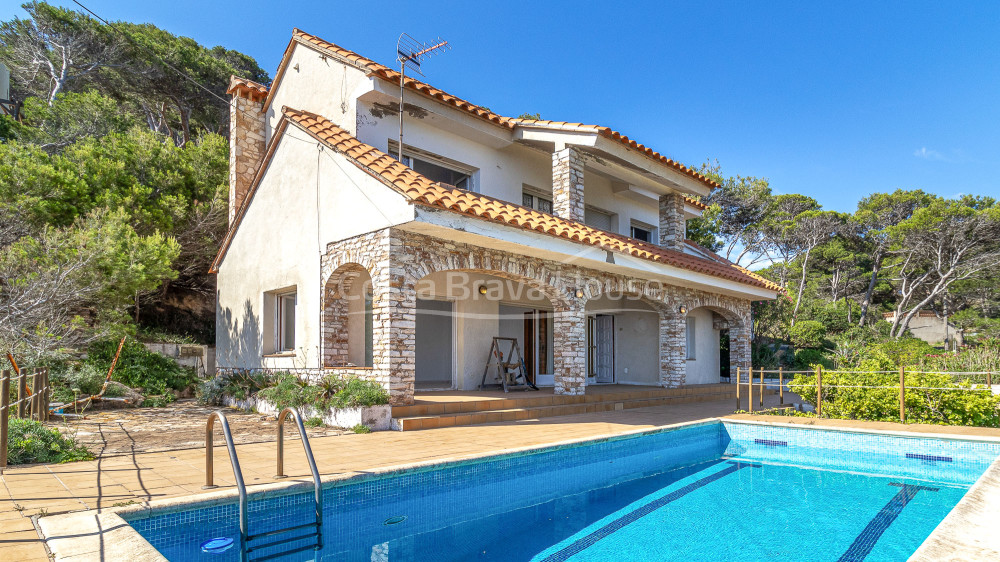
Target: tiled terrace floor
(103, 483)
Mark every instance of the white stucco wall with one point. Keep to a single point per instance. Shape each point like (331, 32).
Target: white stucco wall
(705, 367)
(324, 86)
(278, 243)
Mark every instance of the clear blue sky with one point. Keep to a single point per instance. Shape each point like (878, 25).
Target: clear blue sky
(835, 101)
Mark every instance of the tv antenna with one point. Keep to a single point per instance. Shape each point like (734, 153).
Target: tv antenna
(409, 50)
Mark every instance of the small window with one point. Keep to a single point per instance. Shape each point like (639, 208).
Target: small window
(285, 322)
(690, 344)
(644, 232)
(599, 219)
(536, 202)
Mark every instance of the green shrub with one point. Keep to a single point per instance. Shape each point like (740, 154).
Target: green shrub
(31, 442)
(763, 356)
(330, 392)
(314, 421)
(808, 359)
(850, 395)
(807, 334)
(361, 428)
(141, 368)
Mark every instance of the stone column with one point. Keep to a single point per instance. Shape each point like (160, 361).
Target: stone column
(673, 227)
(394, 315)
(673, 365)
(739, 348)
(246, 138)
(569, 328)
(567, 184)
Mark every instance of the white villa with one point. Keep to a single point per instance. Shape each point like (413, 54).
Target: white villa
(568, 237)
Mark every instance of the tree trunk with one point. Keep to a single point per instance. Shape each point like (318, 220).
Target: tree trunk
(871, 289)
(802, 285)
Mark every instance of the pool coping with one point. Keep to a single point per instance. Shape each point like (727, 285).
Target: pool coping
(83, 535)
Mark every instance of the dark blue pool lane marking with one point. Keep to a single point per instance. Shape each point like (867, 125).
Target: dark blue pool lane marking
(583, 543)
(932, 458)
(865, 542)
(771, 442)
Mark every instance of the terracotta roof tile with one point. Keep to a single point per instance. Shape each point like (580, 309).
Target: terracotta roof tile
(391, 75)
(247, 88)
(419, 189)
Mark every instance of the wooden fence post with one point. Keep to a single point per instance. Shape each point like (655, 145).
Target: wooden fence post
(22, 393)
(819, 390)
(36, 395)
(762, 388)
(989, 379)
(737, 389)
(781, 386)
(4, 414)
(902, 394)
(750, 390)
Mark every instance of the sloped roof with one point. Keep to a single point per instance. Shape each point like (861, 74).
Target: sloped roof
(386, 73)
(421, 190)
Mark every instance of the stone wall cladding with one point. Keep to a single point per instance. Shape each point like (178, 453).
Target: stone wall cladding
(397, 259)
(567, 184)
(246, 147)
(673, 226)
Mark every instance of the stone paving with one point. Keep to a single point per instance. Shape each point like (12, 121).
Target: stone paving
(143, 477)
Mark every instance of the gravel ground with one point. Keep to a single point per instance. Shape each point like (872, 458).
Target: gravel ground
(180, 425)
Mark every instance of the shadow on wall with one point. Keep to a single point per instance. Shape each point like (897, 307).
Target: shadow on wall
(239, 340)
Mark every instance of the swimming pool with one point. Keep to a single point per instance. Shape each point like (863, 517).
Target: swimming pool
(707, 491)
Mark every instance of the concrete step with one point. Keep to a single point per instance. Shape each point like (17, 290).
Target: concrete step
(527, 399)
(536, 411)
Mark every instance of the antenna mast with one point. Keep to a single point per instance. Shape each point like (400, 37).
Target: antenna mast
(409, 50)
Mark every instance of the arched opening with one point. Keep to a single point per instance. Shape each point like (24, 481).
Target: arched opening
(460, 312)
(348, 324)
(710, 335)
(623, 340)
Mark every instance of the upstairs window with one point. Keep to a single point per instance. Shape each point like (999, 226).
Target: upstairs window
(599, 219)
(644, 232)
(436, 168)
(535, 199)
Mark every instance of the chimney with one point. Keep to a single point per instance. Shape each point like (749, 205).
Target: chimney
(246, 138)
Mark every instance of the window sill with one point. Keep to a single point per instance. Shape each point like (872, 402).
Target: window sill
(276, 355)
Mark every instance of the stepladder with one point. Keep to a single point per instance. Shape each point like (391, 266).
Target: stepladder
(507, 365)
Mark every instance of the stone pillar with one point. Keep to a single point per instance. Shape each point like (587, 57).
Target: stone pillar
(246, 138)
(569, 328)
(673, 365)
(567, 184)
(739, 348)
(394, 315)
(673, 227)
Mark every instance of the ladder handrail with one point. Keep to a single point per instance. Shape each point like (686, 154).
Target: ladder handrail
(237, 472)
(317, 485)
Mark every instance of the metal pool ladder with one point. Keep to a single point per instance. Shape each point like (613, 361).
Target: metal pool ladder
(246, 539)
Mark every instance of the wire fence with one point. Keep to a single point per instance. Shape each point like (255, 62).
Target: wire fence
(812, 383)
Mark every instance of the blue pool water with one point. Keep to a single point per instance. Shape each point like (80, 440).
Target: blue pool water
(711, 491)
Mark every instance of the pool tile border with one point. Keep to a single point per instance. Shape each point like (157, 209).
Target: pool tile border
(82, 535)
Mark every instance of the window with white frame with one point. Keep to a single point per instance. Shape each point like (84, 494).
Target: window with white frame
(284, 322)
(534, 198)
(690, 343)
(643, 231)
(436, 168)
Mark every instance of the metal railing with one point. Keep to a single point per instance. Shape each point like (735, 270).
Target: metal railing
(245, 537)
